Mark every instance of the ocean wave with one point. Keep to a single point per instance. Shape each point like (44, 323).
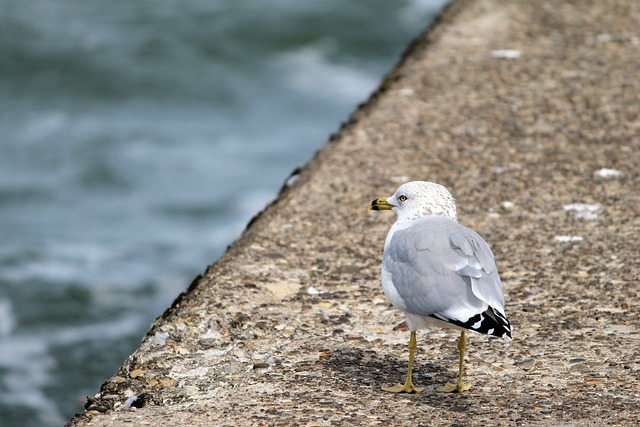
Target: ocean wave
(7, 318)
(29, 361)
(310, 70)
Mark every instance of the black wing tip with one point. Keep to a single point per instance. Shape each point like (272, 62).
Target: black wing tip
(491, 322)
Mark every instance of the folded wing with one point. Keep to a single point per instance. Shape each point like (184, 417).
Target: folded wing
(445, 270)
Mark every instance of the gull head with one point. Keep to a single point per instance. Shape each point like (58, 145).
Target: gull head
(418, 199)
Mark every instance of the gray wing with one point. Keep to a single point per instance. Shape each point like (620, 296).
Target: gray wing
(442, 268)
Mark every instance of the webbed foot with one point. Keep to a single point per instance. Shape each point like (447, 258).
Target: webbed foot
(407, 388)
(454, 388)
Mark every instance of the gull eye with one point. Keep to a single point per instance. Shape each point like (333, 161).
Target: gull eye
(402, 198)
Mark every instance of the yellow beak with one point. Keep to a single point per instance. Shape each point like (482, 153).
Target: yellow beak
(380, 204)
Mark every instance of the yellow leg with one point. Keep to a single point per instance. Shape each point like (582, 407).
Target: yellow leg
(408, 386)
(460, 387)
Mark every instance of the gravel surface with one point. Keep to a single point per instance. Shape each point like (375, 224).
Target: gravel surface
(529, 112)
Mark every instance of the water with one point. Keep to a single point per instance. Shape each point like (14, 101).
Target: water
(137, 138)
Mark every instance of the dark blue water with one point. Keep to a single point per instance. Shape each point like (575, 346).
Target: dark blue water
(137, 138)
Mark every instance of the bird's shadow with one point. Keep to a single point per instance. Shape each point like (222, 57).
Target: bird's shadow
(359, 368)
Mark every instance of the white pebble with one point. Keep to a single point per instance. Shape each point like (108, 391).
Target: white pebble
(605, 37)
(507, 204)
(585, 210)
(129, 401)
(161, 338)
(568, 238)
(608, 173)
(590, 216)
(506, 53)
(581, 207)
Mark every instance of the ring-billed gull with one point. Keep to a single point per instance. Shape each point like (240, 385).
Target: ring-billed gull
(439, 272)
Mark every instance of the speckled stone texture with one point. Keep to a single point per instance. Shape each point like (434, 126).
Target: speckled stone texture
(516, 107)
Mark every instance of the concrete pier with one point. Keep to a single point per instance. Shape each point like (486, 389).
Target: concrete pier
(529, 112)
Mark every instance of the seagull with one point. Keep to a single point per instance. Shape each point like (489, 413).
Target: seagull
(438, 272)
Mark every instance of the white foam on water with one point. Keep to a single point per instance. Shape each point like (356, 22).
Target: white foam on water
(7, 318)
(63, 262)
(112, 329)
(42, 125)
(309, 70)
(415, 12)
(31, 368)
(28, 364)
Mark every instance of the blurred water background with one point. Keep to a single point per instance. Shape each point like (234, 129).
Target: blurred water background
(137, 138)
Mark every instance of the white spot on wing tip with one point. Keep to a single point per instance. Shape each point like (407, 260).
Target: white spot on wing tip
(478, 323)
